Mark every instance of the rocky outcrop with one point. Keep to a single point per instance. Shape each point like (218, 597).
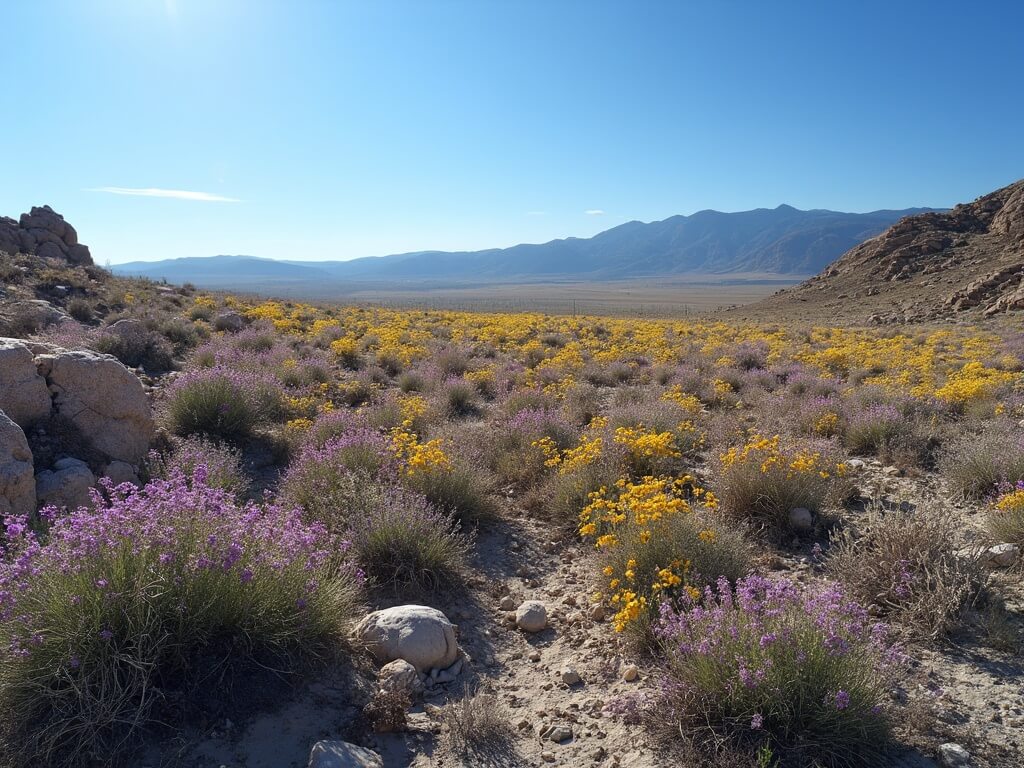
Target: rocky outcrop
(17, 486)
(43, 232)
(24, 396)
(420, 635)
(105, 400)
(925, 267)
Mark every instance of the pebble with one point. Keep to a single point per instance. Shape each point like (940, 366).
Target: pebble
(570, 676)
(507, 603)
(557, 733)
(534, 655)
(1002, 555)
(630, 672)
(597, 612)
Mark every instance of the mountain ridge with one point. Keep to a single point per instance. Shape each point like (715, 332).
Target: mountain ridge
(782, 240)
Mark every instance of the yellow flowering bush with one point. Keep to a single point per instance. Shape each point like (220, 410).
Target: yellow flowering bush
(1006, 517)
(764, 479)
(656, 540)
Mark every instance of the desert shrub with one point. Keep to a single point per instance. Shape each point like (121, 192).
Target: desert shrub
(412, 381)
(404, 543)
(319, 478)
(138, 600)
(458, 398)
(871, 428)
(220, 402)
(1005, 519)
(802, 672)
(333, 424)
(512, 447)
(905, 565)
(976, 464)
(387, 710)
(81, 310)
(464, 487)
(476, 726)
(136, 346)
(764, 479)
(814, 416)
(656, 540)
(182, 334)
(451, 362)
(222, 463)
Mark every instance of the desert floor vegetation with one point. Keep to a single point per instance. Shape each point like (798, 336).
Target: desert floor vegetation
(754, 544)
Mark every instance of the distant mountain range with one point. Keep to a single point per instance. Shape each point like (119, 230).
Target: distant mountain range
(781, 241)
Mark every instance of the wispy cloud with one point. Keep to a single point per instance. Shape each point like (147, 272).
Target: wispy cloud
(594, 212)
(177, 194)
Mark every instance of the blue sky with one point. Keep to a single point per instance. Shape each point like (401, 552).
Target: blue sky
(344, 129)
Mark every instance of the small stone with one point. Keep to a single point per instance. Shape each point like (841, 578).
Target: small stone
(801, 519)
(547, 757)
(532, 616)
(1002, 555)
(399, 675)
(855, 464)
(557, 733)
(534, 656)
(892, 471)
(597, 612)
(570, 676)
(507, 603)
(630, 672)
(954, 756)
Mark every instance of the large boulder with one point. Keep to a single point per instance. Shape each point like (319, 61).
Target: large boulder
(23, 393)
(17, 487)
(66, 485)
(105, 400)
(420, 635)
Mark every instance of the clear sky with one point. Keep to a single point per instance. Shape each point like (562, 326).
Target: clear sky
(315, 130)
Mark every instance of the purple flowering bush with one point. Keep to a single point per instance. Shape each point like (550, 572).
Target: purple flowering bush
(319, 478)
(801, 669)
(976, 464)
(220, 402)
(222, 462)
(109, 612)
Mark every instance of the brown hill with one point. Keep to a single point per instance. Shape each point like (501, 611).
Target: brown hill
(925, 267)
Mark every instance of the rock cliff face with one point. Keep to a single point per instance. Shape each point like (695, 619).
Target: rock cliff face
(924, 267)
(43, 232)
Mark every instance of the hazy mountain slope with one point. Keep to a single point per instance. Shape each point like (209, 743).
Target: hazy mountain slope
(780, 240)
(929, 266)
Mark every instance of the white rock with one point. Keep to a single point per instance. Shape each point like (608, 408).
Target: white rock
(103, 399)
(892, 471)
(557, 733)
(855, 464)
(801, 519)
(630, 672)
(17, 485)
(66, 485)
(597, 612)
(399, 675)
(532, 616)
(1002, 555)
(954, 756)
(341, 754)
(507, 603)
(23, 393)
(422, 636)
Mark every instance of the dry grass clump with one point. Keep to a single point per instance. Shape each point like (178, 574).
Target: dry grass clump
(476, 726)
(905, 564)
(976, 464)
